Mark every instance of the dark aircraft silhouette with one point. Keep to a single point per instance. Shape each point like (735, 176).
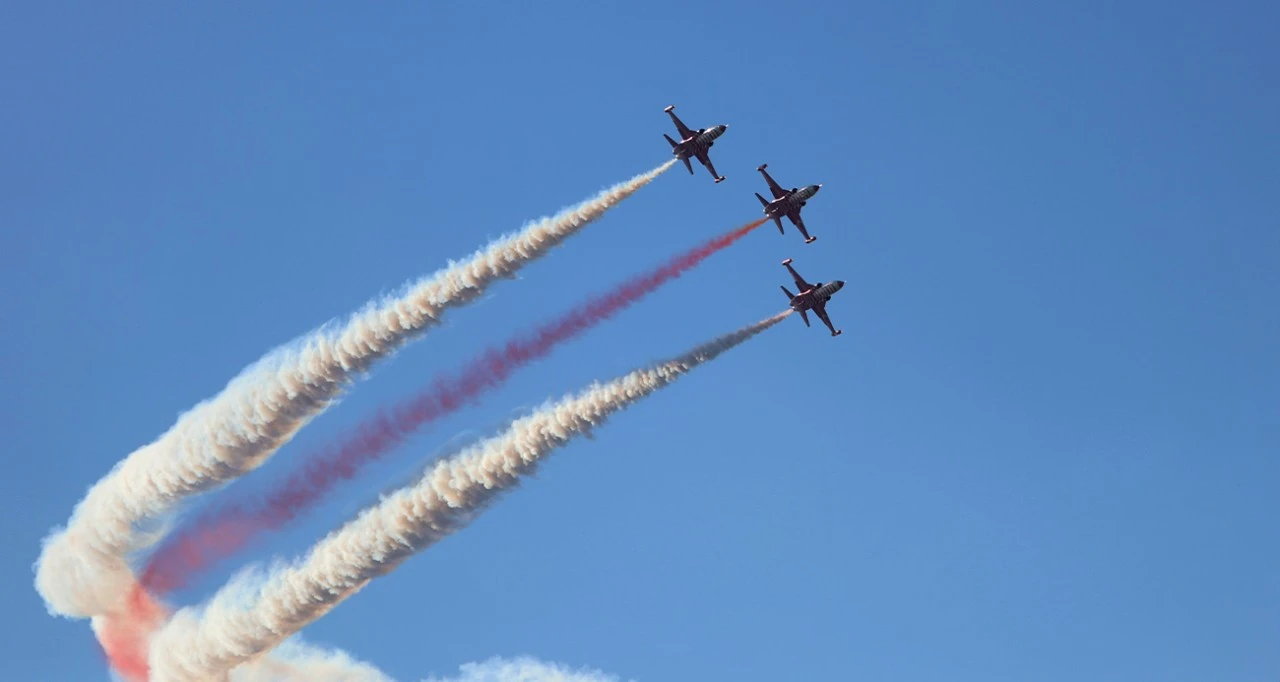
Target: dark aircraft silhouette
(694, 143)
(786, 203)
(812, 297)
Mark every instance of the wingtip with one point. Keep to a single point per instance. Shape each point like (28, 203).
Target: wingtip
(838, 332)
(787, 262)
(811, 240)
(762, 166)
(670, 108)
(720, 179)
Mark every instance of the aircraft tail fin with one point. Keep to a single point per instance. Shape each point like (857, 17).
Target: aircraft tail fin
(779, 222)
(762, 200)
(688, 165)
(673, 142)
(788, 293)
(804, 315)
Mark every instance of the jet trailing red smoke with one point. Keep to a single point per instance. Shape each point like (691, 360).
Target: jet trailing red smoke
(228, 529)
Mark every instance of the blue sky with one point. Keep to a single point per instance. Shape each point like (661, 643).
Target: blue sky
(1044, 448)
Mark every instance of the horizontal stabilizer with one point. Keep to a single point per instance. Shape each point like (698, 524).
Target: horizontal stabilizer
(804, 316)
(762, 200)
(673, 142)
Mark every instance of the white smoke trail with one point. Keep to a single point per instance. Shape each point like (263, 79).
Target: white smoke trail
(82, 569)
(294, 660)
(250, 615)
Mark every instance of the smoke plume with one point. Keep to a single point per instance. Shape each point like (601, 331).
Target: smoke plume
(248, 617)
(82, 569)
(231, 527)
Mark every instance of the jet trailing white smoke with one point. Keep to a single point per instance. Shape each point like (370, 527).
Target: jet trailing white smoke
(82, 570)
(249, 617)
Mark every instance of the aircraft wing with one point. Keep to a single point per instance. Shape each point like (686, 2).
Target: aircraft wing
(705, 158)
(796, 219)
(683, 129)
(803, 285)
(821, 311)
(794, 215)
(774, 187)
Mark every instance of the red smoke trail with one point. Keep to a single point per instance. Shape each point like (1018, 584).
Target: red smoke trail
(229, 529)
(124, 636)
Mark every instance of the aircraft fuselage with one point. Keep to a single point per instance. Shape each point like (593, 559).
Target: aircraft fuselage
(820, 293)
(794, 200)
(699, 143)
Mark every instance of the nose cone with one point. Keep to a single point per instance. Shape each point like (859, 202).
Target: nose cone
(839, 284)
(814, 188)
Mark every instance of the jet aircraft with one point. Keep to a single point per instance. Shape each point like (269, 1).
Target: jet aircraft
(694, 143)
(786, 203)
(812, 297)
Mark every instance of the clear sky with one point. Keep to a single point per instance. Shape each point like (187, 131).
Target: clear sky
(1045, 447)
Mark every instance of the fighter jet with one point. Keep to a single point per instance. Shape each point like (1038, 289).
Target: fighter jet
(786, 203)
(812, 297)
(694, 143)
